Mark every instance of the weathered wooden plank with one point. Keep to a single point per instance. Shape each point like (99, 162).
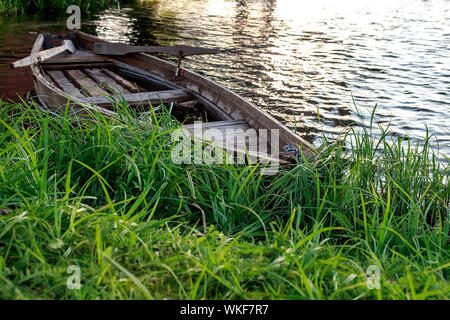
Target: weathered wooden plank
(81, 52)
(241, 146)
(86, 83)
(65, 66)
(106, 81)
(79, 59)
(216, 124)
(231, 139)
(124, 82)
(64, 83)
(238, 132)
(234, 135)
(238, 136)
(240, 149)
(133, 99)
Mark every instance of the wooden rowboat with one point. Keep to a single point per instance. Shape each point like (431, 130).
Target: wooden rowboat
(89, 80)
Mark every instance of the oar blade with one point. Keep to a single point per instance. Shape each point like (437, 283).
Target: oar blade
(189, 50)
(113, 49)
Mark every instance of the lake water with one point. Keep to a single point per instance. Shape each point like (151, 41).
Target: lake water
(291, 58)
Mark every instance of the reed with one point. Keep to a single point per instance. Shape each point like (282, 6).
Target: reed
(18, 7)
(103, 194)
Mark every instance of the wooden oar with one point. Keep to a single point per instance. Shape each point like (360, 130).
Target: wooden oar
(44, 55)
(118, 49)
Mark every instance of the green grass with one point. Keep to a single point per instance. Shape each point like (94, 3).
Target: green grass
(18, 7)
(103, 194)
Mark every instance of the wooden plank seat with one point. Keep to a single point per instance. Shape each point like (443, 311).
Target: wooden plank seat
(228, 132)
(237, 130)
(62, 59)
(133, 99)
(79, 59)
(79, 56)
(235, 136)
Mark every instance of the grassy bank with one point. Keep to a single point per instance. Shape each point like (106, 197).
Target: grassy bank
(17, 7)
(104, 195)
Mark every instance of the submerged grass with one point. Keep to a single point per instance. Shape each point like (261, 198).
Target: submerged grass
(104, 195)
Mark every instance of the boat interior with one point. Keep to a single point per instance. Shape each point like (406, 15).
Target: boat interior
(91, 78)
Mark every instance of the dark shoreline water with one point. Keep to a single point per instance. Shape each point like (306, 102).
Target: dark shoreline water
(291, 58)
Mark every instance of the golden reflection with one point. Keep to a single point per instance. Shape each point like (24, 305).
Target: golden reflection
(115, 25)
(299, 11)
(303, 12)
(212, 7)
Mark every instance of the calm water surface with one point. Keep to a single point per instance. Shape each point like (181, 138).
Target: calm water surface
(291, 58)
